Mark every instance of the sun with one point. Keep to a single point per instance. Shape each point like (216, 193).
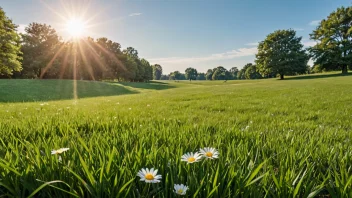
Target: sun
(75, 27)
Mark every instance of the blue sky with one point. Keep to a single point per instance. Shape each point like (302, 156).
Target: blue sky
(178, 33)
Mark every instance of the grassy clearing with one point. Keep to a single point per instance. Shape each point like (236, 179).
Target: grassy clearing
(276, 138)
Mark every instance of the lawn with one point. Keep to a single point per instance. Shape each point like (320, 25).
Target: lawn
(276, 138)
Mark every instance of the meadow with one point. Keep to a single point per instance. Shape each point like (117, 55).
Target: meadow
(276, 138)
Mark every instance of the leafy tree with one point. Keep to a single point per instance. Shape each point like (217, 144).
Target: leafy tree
(176, 75)
(252, 73)
(148, 70)
(233, 72)
(164, 77)
(220, 73)
(209, 75)
(157, 72)
(40, 47)
(242, 73)
(282, 53)
(201, 76)
(10, 59)
(131, 52)
(191, 73)
(334, 40)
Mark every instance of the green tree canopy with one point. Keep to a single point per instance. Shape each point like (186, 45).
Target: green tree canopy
(40, 47)
(191, 73)
(10, 59)
(252, 73)
(220, 73)
(201, 76)
(157, 71)
(282, 53)
(242, 73)
(334, 40)
(233, 72)
(209, 75)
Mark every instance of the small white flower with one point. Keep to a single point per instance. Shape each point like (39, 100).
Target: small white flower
(209, 152)
(130, 108)
(180, 189)
(149, 176)
(59, 151)
(148, 105)
(191, 157)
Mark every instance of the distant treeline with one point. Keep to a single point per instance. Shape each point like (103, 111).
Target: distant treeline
(41, 53)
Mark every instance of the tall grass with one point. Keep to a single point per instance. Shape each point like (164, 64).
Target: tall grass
(275, 138)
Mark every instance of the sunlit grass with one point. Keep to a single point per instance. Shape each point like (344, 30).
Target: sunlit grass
(275, 138)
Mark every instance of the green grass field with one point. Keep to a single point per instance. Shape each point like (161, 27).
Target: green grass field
(289, 138)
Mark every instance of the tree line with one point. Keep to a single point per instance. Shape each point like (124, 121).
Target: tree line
(282, 53)
(41, 53)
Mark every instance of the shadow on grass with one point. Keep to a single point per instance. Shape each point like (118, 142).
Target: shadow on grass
(317, 76)
(25, 90)
(150, 85)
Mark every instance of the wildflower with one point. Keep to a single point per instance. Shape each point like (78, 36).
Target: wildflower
(148, 105)
(209, 152)
(191, 157)
(180, 189)
(149, 176)
(61, 150)
(130, 108)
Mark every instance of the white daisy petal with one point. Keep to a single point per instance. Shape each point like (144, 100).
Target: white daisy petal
(209, 153)
(191, 157)
(149, 175)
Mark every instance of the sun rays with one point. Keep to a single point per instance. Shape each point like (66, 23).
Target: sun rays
(79, 52)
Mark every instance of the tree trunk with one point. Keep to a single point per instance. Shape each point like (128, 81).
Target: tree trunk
(344, 69)
(281, 76)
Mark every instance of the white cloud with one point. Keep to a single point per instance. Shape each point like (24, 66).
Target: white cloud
(135, 14)
(298, 29)
(221, 56)
(252, 44)
(309, 43)
(21, 28)
(314, 23)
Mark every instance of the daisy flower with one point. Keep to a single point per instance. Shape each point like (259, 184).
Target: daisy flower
(191, 157)
(180, 189)
(209, 152)
(61, 150)
(149, 176)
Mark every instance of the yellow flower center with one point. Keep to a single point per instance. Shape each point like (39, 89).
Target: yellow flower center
(209, 154)
(191, 159)
(149, 176)
(180, 191)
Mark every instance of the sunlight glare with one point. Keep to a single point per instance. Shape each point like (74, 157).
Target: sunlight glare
(75, 27)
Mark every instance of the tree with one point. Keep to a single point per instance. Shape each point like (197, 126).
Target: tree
(209, 75)
(233, 72)
(176, 75)
(191, 73)
(10, 59)
(220, 73)
(148, 70)
(157, 72)
(201, 76)
(282, 53)
(334, 40)
(40, 46)
(252, 73)
(242, 73)
(164, 77)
